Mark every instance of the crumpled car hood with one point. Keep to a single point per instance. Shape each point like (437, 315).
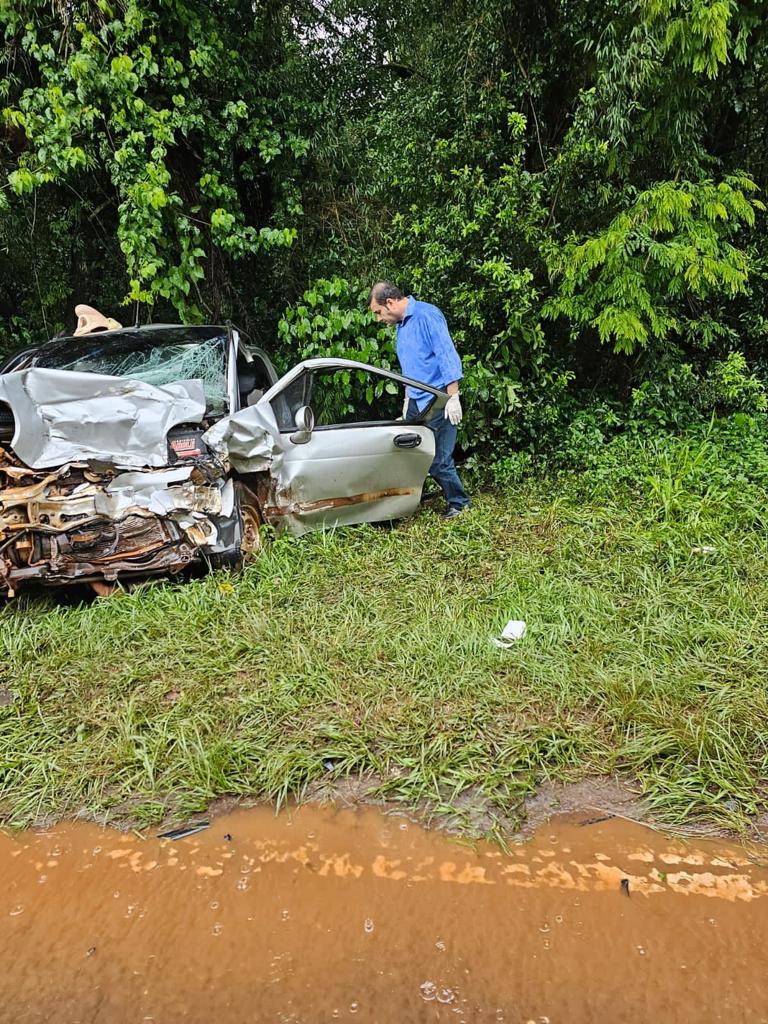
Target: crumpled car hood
(64, 416)
(246, 439)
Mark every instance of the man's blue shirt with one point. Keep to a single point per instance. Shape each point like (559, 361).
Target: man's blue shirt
(425, 350)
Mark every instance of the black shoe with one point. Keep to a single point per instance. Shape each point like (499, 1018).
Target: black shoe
(453, 510)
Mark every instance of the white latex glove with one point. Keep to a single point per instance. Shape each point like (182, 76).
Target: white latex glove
(453, 410)
(406, 400)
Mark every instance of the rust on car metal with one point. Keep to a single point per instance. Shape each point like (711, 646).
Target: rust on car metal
(52, 533)
(171, 450)
(298, 507)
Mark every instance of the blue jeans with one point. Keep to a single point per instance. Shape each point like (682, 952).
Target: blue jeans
(442, 469)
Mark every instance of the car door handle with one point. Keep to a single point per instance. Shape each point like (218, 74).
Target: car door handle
(407, 440)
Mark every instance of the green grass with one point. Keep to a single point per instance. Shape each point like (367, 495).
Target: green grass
(370, 649)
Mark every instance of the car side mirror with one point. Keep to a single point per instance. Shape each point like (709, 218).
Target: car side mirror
(305, 424)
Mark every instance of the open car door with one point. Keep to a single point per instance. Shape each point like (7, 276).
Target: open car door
(336, 451)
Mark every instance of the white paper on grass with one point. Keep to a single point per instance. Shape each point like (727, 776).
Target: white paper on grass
(514, 630)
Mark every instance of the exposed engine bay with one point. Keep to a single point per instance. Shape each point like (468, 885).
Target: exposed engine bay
(76, 524)
(111, 483)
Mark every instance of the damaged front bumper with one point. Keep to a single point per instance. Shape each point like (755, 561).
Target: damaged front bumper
(105, 478)
(75, 524)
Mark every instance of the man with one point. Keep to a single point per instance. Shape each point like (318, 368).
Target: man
(426, 353)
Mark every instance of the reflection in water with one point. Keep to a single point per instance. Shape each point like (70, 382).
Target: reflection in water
(318, 915)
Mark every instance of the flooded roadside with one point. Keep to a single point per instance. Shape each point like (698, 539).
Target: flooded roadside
(321, 915)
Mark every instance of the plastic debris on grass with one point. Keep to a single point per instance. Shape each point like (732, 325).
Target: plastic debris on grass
(514, 630)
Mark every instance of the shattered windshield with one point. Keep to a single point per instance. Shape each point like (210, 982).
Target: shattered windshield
(154, 357)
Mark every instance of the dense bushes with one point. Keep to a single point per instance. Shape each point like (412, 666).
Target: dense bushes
(577, 187)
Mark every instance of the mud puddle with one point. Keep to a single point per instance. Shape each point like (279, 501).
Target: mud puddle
(321, 915)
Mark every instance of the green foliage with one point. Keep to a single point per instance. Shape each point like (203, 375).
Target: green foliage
(128, 98)
(671, 244)
(696, 484)
(578, 188)
(701, 32)
(332, 319)
(642, 581)
(734, 388)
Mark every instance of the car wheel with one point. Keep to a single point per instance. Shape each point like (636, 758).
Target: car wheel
(251, 519)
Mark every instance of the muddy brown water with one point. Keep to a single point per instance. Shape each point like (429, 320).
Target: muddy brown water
(319, 915)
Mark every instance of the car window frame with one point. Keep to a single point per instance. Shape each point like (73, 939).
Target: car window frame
(319, 364)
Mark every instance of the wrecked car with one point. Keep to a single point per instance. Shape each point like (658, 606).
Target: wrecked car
(154, 450)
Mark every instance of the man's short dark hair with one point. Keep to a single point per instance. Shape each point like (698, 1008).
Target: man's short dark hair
(384, 290)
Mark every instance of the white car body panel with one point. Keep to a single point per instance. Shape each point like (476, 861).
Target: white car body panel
(343, 474)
